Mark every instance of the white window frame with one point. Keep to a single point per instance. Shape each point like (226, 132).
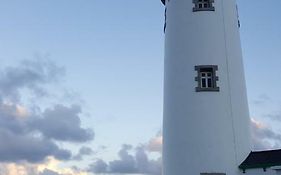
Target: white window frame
(206, 77)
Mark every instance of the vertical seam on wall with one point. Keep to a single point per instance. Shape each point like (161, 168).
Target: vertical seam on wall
(228, 81)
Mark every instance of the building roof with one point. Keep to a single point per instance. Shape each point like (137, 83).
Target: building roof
(262, 159)
(163, 1)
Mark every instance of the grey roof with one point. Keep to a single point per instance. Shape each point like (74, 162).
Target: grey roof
(262, 159)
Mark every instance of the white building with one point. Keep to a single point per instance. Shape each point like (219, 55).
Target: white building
(206, 118)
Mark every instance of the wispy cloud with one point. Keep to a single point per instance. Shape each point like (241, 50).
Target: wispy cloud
(276, 117)
(83, 151)
(262, 99)
(29, 74)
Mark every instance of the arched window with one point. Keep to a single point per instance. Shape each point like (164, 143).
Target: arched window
(203, 5)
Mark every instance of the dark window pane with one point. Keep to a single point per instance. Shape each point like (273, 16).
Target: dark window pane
(205, 5)
(206, 70)
(210, 82)
(209, 74)
(203, 83)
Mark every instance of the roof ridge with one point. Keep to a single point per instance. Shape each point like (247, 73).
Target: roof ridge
(271, 150)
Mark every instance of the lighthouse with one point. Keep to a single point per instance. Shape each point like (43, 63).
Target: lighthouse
(206, 118)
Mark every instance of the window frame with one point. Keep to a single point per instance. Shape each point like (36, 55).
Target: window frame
(206, 78)
(206, 69)
(197, 4)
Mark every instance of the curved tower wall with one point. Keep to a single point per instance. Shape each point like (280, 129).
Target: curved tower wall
(206, 131)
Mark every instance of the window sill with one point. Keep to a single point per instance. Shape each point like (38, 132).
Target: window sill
(216, 89)
(203, 9)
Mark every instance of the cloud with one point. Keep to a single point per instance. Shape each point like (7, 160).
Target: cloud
(33, 135)
(262, 99)
(84, 151)
(137, 163)
(17, 169)
(274, 116)
(126, 164)
(50, 167)
(146, 166)
(30, 74)
(15, 148)
(155, 144)
(63, 124)
(19, 141)
(53, 166)
(98, 167)
(49, 172)
(263, 137)
(10, 119)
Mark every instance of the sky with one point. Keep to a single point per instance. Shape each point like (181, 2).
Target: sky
(81, 84)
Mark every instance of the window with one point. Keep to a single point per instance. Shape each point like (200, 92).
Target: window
(203, 5)
(206, 78)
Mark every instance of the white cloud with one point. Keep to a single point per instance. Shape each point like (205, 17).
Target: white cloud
(50, 167)
(263, 136)
(155, 144)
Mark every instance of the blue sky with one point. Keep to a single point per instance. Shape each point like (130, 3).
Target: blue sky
(110, 54)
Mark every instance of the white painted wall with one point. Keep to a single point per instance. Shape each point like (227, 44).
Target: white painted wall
(204, 131)
(278, 172)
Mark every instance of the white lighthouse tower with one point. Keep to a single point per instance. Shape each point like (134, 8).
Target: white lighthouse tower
(206, 118)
